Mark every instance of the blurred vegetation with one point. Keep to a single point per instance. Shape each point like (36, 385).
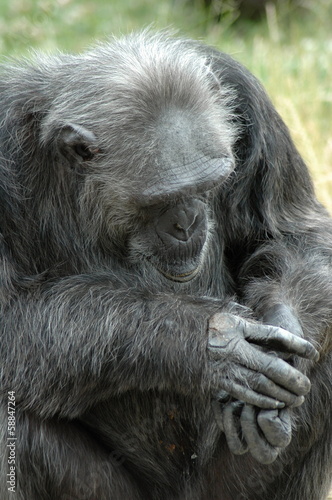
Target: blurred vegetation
(289, 49)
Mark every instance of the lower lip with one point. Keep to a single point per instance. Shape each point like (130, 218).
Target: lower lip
(181, 278)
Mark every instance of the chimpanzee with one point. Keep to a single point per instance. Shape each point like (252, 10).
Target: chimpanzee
(166, 284)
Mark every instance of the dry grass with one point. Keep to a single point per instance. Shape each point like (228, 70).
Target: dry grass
(294, 64)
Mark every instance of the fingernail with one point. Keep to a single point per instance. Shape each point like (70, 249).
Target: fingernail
(297, 402)
(280, 405)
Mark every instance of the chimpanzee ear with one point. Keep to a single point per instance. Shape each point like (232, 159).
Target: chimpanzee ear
(75, 140)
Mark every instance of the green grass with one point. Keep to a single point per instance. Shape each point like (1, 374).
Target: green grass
(290, 50)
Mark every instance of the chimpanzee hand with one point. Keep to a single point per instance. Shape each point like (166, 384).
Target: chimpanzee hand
(248, 373)
(264, 433)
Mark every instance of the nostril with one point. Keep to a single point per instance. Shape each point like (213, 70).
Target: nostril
(183, 231)
(179, 232)
(181, 222)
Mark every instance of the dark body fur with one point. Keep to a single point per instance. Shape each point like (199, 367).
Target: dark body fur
(107, 357)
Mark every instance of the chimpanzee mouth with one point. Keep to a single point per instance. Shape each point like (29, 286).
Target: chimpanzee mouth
(181, 278)
(175, 273)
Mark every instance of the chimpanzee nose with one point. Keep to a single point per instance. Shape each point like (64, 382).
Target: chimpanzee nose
(185, 225)
(182, 221)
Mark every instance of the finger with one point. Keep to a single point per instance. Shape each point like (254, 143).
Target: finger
(239, 351)
(277, 338)
(276, 426)
(259, 448)
(226, 323)
(298, 402)
(249, 396)
(225, 346)
(277, 370)
(217, 412)
(232, 428)
(264, 385)
(223, 397)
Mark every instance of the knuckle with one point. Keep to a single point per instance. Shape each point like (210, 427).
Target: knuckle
(257, 381)
(267, 416)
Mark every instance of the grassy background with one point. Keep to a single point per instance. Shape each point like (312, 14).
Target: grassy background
(290, 50)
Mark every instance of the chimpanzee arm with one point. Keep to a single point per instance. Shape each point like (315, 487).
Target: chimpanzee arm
(282, 303)
(69, 344)
(289, 284)
(278, 243)
(277, 236)
(97, 335)
(300, 301)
